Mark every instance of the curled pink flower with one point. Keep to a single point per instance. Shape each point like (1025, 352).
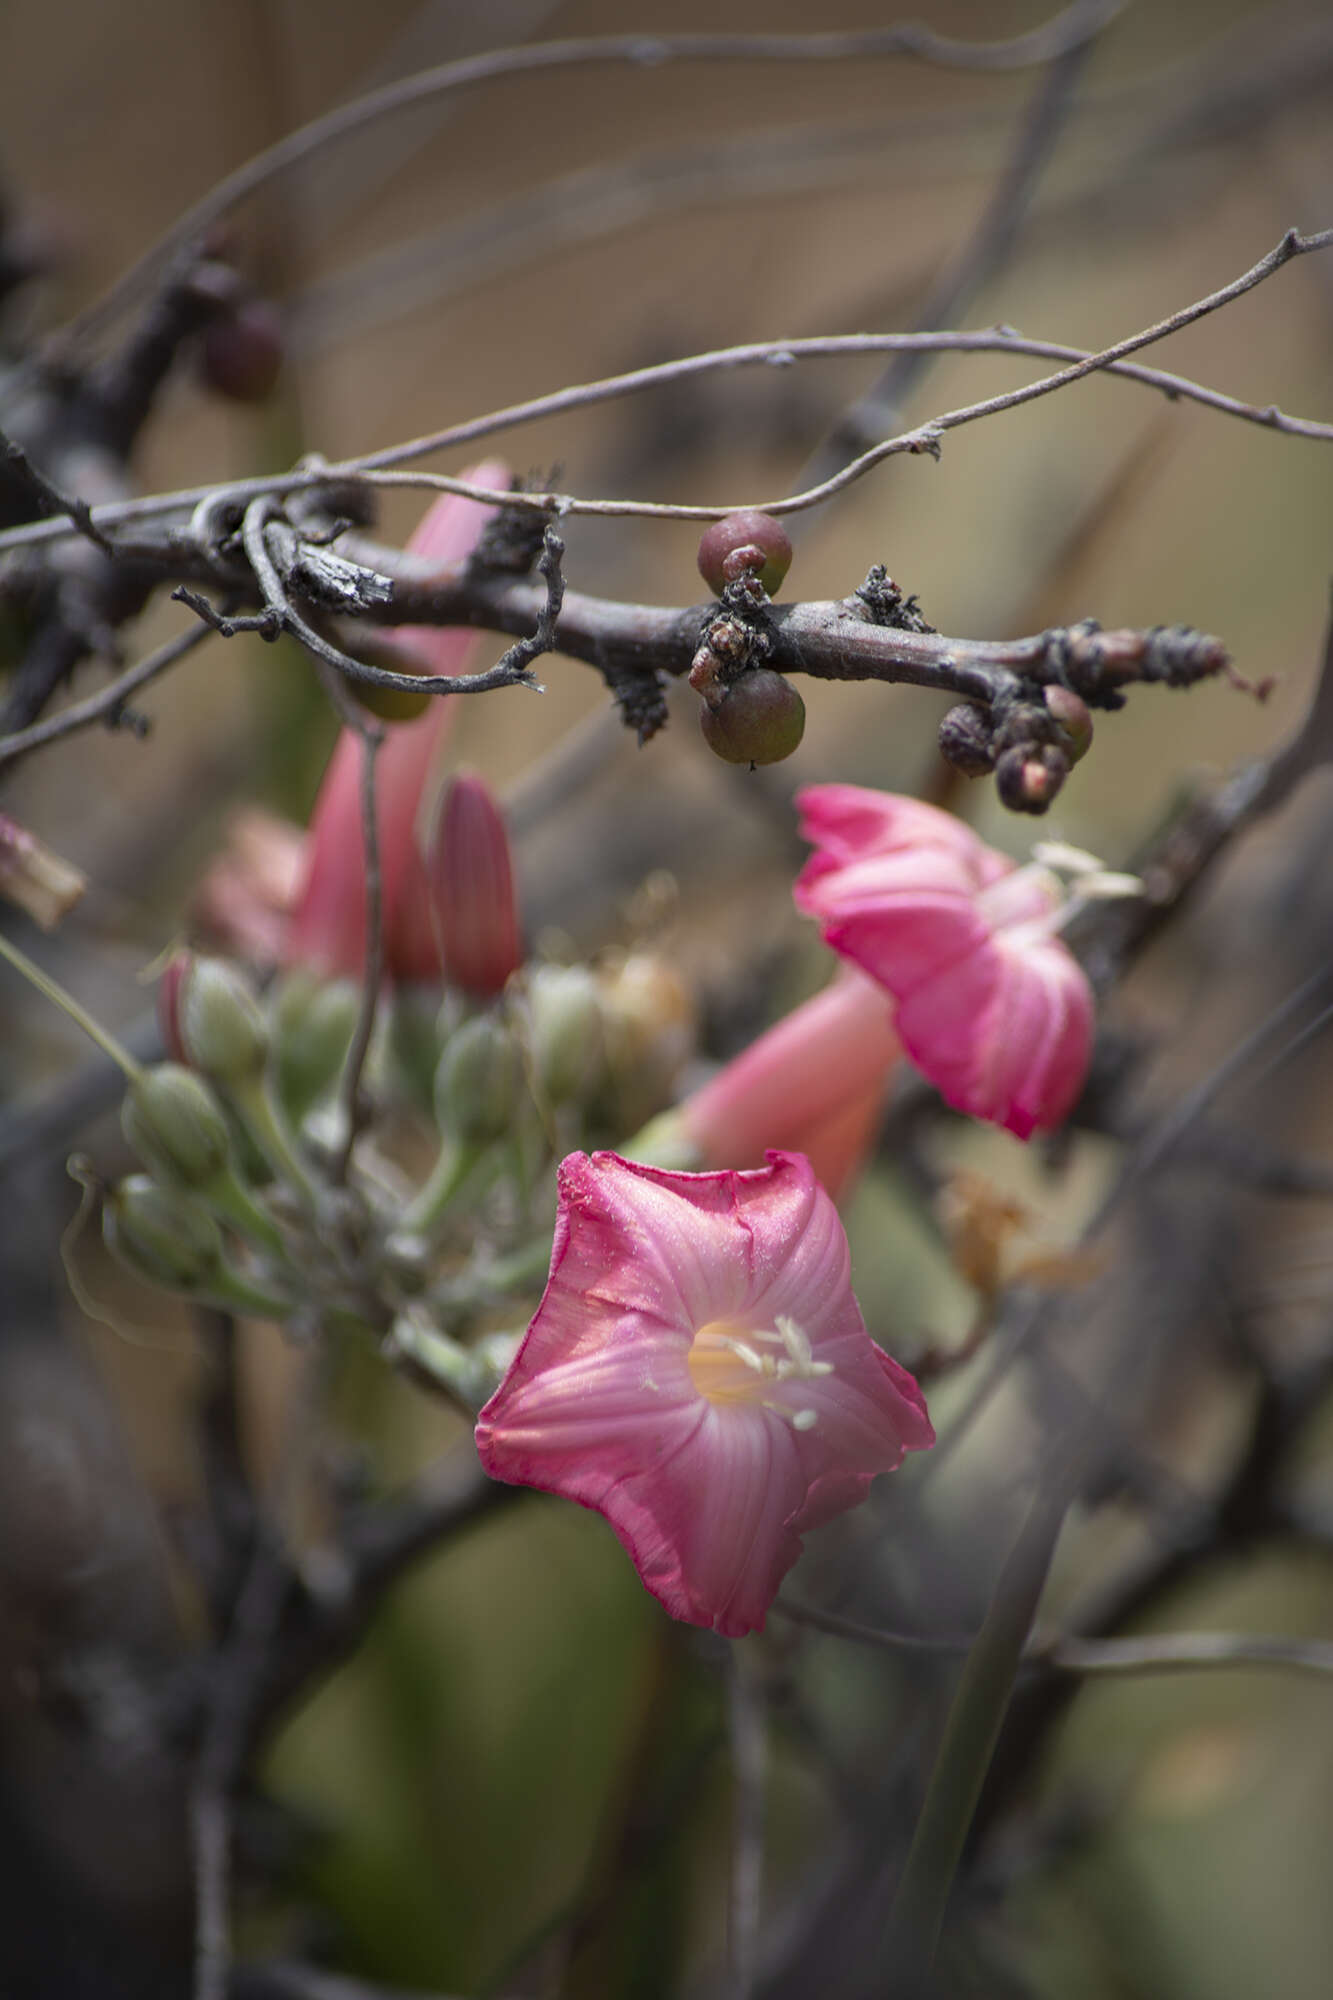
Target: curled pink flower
(699, 1373)
(328, 931)
(989, 1003)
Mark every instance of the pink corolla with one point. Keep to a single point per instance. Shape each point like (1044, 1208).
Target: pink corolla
(328, 928)
(699, 1373)
(989, 1004)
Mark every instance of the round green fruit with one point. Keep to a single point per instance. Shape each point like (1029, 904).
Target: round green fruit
(760, 719)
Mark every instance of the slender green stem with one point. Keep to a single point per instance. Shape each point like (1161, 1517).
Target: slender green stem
(235, 1293)
(56, 993)
(970, 1734)
(234, 1202)
(520, 1269)
(269, 1131)
(447, 1177)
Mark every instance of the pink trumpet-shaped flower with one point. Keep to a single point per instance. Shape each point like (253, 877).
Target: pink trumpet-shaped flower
(989, 1004)
(812, 1083)
(328, 931)
(699, 1373)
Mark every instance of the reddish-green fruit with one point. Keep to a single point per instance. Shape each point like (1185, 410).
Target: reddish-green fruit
(240, 353)
(760, 720)
(744, 544)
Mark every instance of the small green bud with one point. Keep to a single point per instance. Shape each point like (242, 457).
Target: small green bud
(476, 1084)
(176, 1126)
(568, 1042)
(162, 1234)
(313, 1024)
(415, 1039)
(219, 1023)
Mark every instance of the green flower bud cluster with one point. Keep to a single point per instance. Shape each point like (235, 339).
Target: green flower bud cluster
(212, 1215)
(250, 1198)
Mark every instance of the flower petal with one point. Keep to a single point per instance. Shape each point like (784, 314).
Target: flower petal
(991, 1007)
(699, 1373)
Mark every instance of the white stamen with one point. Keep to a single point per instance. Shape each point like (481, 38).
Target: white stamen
(799, 1364)
(1106, 882)
(1066, 860)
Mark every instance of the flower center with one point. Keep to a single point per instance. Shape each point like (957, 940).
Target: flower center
(733, 1364)
(1036, 901)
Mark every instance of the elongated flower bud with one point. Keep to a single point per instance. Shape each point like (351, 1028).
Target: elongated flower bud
(176, 1125)
(471, 879)
(211, 1019)
(313, 1024)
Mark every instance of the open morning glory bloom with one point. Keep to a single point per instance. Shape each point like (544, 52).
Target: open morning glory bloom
(989, 1004)
(699, 1373)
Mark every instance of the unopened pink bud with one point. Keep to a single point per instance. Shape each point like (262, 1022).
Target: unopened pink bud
(211, 1019)
(328, 932)
(471, 892)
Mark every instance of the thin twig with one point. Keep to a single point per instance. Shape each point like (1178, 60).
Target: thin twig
(280, 615)
(985, 250)
(383, 467)
(1156, 1653)
(1038, 45)
(49, 496)
(349, 1088)
(745, 1713)
(1185, 1653)
(107, 703)
(239, 1671)
(772, 353)
(1157, 1145)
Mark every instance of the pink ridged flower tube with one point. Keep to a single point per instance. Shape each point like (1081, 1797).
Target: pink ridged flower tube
(989, 1004)
(699, 1373)
(813, 1083)
(458, 909)
(328, 930)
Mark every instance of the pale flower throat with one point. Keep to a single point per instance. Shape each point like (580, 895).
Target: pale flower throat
(727, 1365)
